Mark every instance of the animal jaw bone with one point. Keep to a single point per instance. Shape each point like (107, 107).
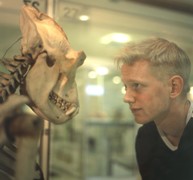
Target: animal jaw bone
(50, 83)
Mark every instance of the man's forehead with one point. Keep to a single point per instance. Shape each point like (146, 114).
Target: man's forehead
(136, 72)
(136, 66)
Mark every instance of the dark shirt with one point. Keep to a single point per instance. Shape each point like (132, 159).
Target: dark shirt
(157, 162)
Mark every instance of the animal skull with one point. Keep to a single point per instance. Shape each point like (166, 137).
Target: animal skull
(50, 83)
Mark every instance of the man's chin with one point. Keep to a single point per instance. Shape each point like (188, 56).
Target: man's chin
(141, 121)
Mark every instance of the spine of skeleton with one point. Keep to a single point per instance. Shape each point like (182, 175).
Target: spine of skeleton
(17, 67)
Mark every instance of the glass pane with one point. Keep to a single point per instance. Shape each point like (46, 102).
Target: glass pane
(99, 143)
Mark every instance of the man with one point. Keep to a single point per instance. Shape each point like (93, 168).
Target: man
(155, 73)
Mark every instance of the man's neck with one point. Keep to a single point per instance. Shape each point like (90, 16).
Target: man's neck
(173, 125)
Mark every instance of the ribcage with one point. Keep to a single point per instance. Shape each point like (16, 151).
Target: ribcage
(7, 163)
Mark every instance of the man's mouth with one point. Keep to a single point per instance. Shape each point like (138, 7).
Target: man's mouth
(135, 110)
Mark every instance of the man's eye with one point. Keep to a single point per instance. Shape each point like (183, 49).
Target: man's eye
(136, 85)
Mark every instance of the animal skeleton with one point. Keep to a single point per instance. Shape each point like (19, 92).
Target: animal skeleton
(44, 73)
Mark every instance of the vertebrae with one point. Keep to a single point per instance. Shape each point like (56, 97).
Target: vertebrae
(18, 68)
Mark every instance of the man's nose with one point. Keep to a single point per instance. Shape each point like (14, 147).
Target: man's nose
(129, 97)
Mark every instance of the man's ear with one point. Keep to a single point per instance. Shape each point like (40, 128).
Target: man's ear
(176, 84)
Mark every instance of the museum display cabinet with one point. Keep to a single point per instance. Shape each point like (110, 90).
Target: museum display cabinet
(99, 143)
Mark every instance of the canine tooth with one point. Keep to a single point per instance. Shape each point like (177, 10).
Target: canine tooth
(70, 111)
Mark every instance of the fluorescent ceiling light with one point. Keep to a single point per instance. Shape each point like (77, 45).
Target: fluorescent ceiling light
(84, 18)
(94, 90)
(116, 80)
(92, 74)
(102, 71)
(115, 37)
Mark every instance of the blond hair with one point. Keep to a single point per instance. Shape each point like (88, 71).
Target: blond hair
(166, 58)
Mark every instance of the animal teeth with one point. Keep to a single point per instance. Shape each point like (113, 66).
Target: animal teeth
(65, 106)
(71, 110)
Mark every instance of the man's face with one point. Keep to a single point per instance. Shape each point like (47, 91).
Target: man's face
(147, 96)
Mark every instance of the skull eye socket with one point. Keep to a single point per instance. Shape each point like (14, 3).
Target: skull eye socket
(50, 62)
(40, 46)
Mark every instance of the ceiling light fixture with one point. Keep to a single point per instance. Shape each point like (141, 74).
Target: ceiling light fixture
(116, 80)
(102, 71)
(115, 37)
(84, 18)
(94, 90)
(92, 74)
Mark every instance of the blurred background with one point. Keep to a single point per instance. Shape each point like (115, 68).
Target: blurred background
(99, 143)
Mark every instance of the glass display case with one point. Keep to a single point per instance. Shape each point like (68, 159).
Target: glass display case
(99, 143)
